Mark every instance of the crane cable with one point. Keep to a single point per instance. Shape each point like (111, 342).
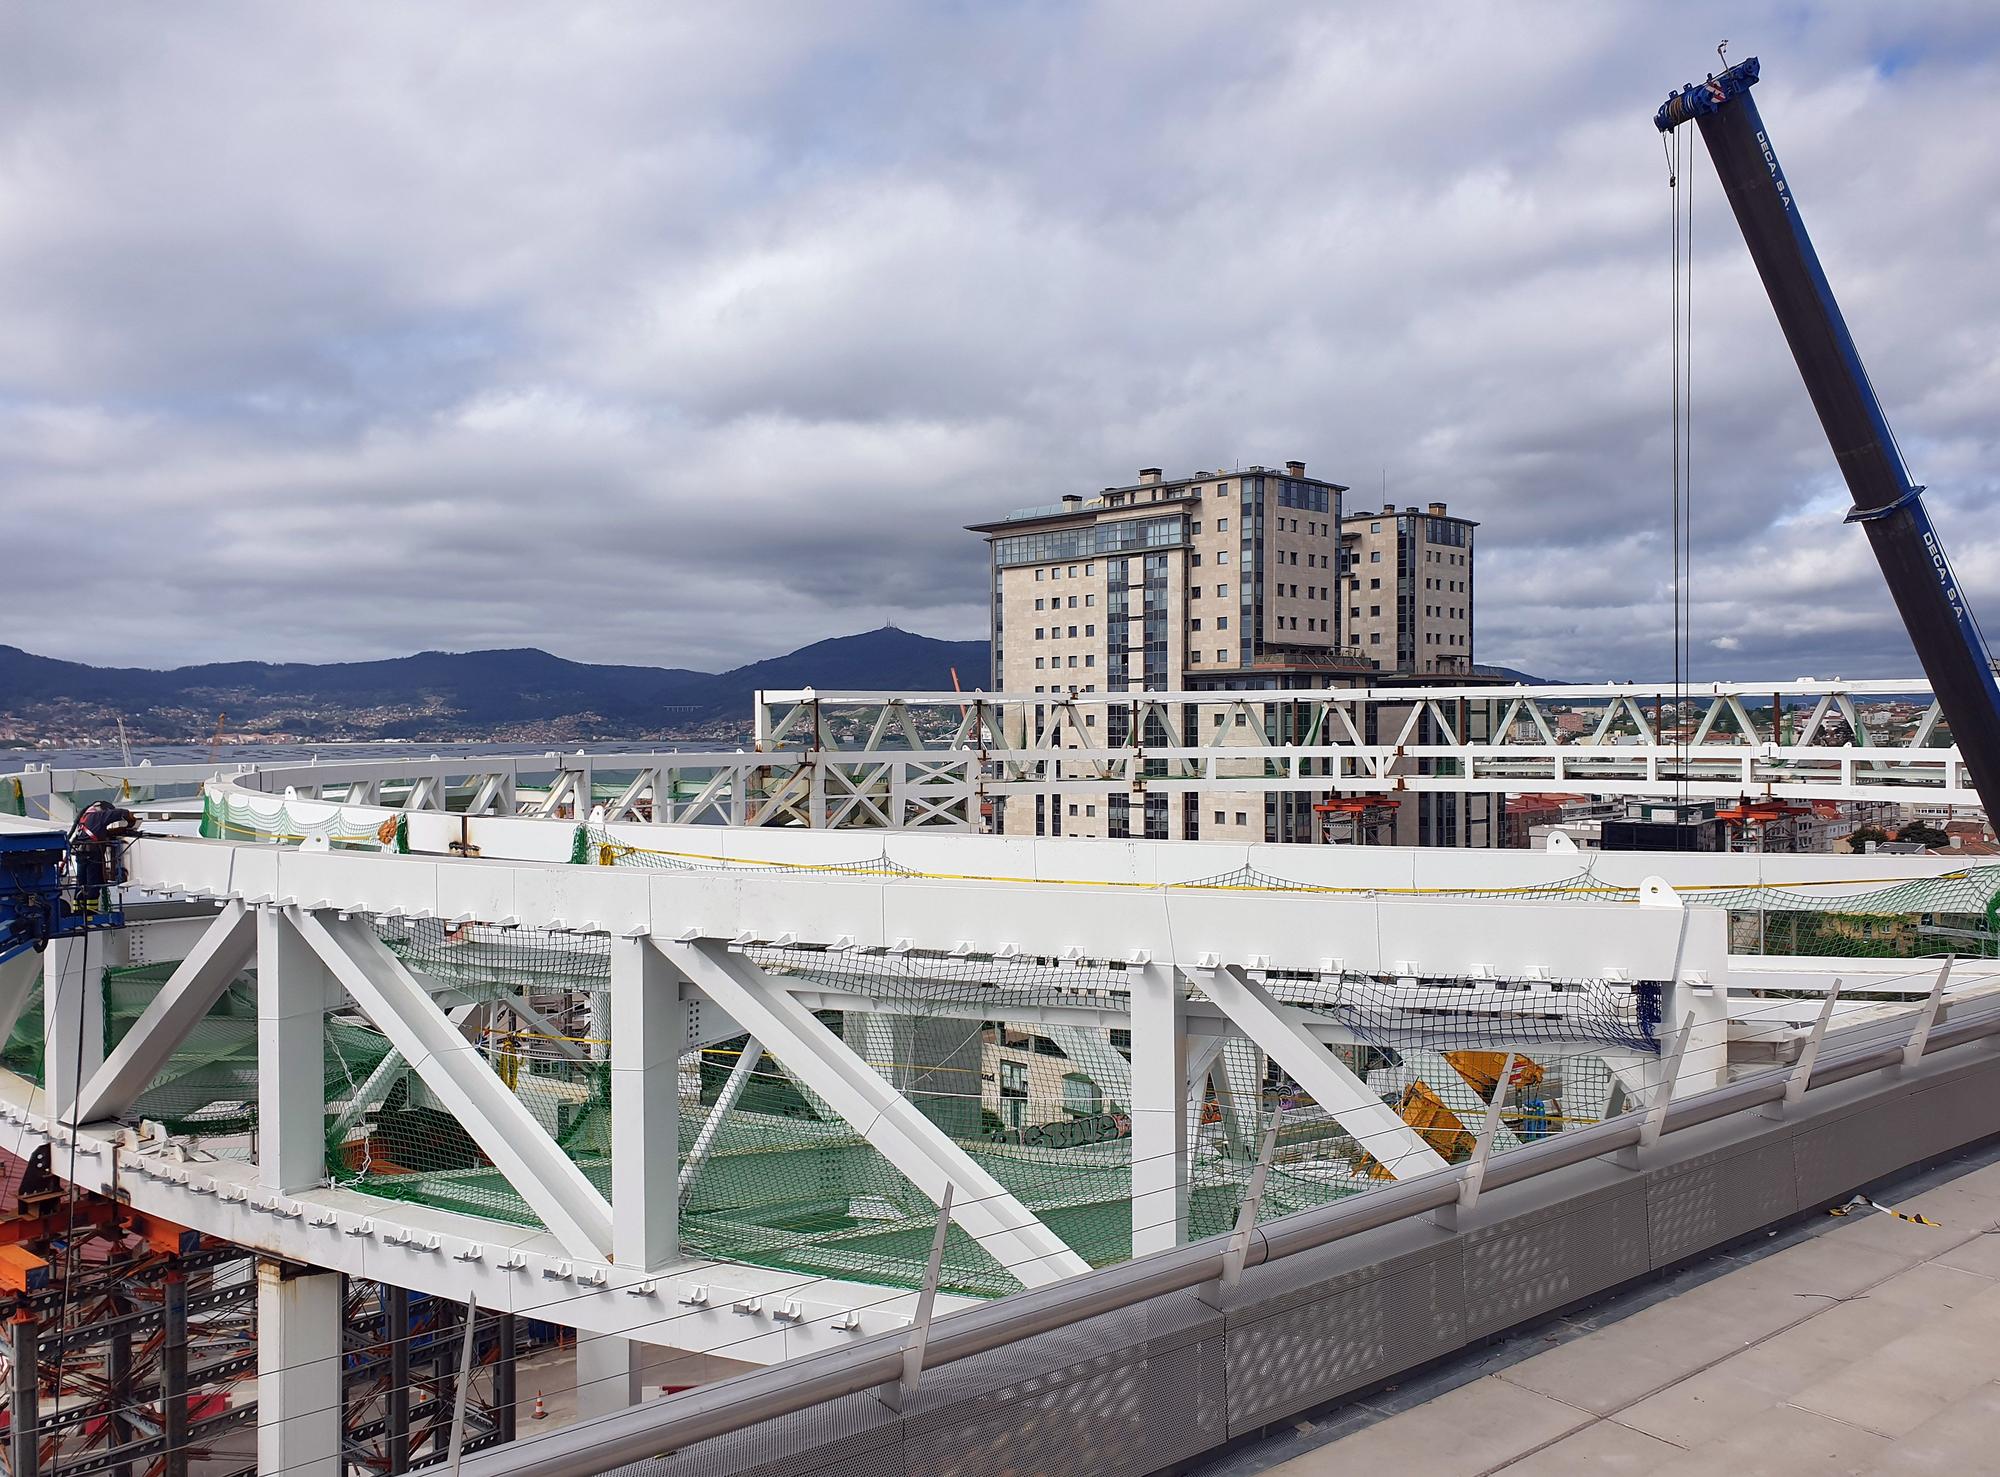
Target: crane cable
(1681, 502)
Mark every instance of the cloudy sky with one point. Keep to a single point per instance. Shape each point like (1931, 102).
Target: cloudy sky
(687, 335)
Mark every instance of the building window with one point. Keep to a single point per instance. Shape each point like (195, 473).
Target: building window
(1194, 658)
(1375, 584)
(1039, 602)
(1081, 1099)
(1374, 638)
(1222, 489)
(1038, 664)
(1376, 526)
(1221, 558)
(1090, 659)
(1195, 527)
(1090, 630)
(1089, 599)
(1221, 525)
(1222, 656)
(1374, 556)
(1072, 602)
(1242, 819)
(1195, 624)
(1072, 631)
(1072, 571)
(1194, 560)
(1222, 592)
(1222, 623)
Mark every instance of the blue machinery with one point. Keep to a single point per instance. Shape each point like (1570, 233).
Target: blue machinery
(1887, 504)
(54, 885)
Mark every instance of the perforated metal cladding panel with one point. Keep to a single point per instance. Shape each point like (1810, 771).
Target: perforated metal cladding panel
(1317, 1350)
(1835, 1155)
(1957, 1111)
(1110, 1417)
(1325, 1270)
(955, 1393)
(1535, 1264)
(854, 1436)
(1130, 1391)
(1716, 1197)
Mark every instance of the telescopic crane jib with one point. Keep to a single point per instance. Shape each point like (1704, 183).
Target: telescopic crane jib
(1887, 504)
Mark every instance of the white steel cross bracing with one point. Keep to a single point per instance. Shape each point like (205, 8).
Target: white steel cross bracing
(485, 1107)
(1281, 1031)
(915, 1146)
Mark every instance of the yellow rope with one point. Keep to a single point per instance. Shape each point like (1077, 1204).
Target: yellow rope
(610, 852)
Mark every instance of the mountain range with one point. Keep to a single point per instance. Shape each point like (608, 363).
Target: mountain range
(442, 695)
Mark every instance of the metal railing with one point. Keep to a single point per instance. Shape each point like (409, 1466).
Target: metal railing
(738, 1403)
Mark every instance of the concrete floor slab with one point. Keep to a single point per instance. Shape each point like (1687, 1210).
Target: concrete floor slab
(1595, 1374)
(1781, 1442)
(1479, 1427)
(1872, 1344)
(1963, 1437)
(1605, 1447)
(1907, 1381)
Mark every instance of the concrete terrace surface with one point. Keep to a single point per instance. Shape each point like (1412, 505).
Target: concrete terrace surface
(1870, 1345)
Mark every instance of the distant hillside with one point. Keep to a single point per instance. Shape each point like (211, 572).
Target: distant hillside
(440, 694)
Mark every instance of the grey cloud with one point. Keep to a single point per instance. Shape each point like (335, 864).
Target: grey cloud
(571, 326)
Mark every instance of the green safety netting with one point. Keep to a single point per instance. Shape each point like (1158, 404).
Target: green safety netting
(237, 817)
(1921, 917)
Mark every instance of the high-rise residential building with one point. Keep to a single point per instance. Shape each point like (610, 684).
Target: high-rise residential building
(1219, 581)
(1407, 584)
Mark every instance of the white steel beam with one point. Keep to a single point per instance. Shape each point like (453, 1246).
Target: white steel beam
(648, 1035)
(1279, 1030)
(725, 1103)
(218, 957)
(291, 1040)
(1158, 1079)
(506, 1132)
(73, 1013)
(917, 1148)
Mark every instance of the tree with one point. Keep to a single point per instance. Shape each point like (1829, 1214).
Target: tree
(1921, 833)
(1861, 836)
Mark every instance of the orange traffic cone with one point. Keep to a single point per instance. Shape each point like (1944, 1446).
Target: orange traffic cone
(541, 1410)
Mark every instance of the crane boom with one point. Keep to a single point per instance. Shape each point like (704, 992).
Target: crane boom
(1887, 504)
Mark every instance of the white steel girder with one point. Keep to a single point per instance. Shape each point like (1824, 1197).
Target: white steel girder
(451, 1067)
(890, 1122)
(1280, 1031)
(222, 953)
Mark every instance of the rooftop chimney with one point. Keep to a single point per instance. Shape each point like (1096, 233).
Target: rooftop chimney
(1437, 508)
(1297, 469)
(1072, 500)
(1148, 476)
(1388, 507)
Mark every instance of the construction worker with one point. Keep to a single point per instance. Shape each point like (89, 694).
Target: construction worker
(95, 842)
